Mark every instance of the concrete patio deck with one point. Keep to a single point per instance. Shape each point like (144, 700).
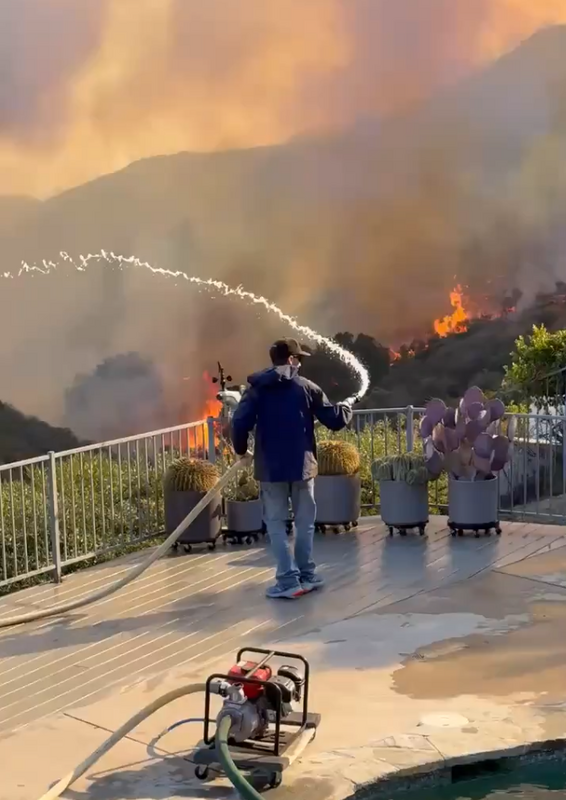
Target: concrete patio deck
(423, 650)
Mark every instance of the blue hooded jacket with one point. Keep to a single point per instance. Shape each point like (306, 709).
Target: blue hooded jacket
(282, 406)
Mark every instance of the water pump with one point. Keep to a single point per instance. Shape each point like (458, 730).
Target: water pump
(260, 699)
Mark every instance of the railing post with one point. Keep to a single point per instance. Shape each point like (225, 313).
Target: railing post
(410, 432)
(53, 508)
(211, 442)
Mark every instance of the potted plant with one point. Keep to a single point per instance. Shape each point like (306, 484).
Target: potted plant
(403, 490)
(472, 442)
(244, 513)
(337, 489)
(187, 480)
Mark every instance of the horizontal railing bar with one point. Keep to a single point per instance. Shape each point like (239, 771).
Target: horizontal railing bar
(129, 439)
(29, 462)
(24, 576)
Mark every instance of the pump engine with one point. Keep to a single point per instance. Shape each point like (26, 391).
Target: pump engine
(255, 702)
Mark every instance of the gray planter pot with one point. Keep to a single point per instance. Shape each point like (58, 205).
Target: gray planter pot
(473, 505)
(403, 506)
(244, 517)
(205, 528)
(338, 499)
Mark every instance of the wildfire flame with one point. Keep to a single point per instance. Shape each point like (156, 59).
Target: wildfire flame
(457, 322)
(198, 438)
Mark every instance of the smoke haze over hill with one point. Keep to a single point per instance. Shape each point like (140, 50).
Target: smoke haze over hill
(89, 86)
(401, 155)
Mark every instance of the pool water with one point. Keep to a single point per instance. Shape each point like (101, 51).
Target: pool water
(542, 781)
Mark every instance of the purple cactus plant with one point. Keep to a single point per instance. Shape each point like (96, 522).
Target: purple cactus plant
(467, 441)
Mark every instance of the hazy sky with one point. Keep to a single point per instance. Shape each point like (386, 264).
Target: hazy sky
(89, 86)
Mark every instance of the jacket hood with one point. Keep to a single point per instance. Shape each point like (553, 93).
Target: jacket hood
(272, 376)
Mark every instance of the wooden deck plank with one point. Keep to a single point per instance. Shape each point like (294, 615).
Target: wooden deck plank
(196, 607)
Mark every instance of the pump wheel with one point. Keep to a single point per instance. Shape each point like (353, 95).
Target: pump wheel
(275, 780)
(201, 773)
(355, 523)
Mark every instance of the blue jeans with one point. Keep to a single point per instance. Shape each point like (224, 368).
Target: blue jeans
(291, 568)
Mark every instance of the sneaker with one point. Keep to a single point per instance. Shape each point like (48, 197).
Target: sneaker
(276, 592)
(312, 584)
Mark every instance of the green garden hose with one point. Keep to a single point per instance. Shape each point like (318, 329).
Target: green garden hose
(63, 608)
(240, 784)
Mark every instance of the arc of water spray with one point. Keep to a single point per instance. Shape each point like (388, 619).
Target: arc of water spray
(209, 283)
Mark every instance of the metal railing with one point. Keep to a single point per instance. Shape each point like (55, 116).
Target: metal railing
(65, 508)
(532, 486)
(69, 508)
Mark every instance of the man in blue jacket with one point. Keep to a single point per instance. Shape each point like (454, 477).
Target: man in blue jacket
(282, 407)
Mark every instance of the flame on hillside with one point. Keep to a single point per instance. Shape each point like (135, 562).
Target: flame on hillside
(198, 437)
(458, 320)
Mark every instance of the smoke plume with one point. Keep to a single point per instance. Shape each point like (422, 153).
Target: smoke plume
(89, 87)
(355, 158)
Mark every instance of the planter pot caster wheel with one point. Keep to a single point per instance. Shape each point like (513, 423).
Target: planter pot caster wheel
(422, 530)
(249, 540)
(187, 548)
(212, 546)
(402, 533)
(391, 531)
(487, 532)
(322, 529)
(175, 547)
(347, 527)
(460, 532)
(289, 528)
(275, 780)
(201, 773)
(498, 531)
(336, 531)
(355, 524)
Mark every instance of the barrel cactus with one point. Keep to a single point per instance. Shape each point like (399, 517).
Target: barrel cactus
(471, 441)
(408, 467)
(191, 475)
(338, 458)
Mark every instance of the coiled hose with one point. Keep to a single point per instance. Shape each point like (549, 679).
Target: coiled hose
(63, 608)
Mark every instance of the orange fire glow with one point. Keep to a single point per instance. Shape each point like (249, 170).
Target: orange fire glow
(198, 438)
(243, 76)
(457, 322)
